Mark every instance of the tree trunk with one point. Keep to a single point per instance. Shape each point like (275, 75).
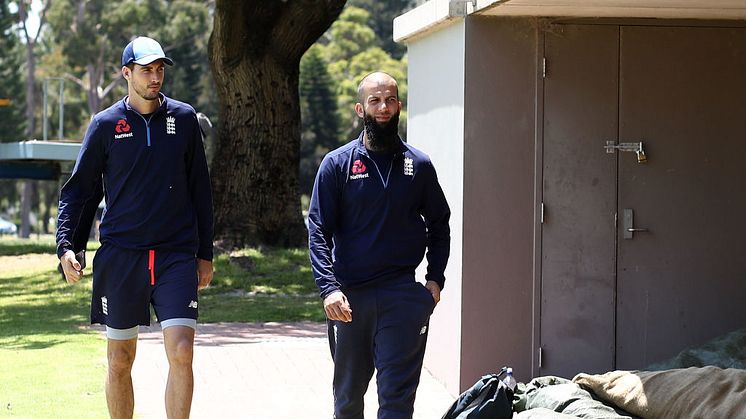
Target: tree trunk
(27, 192)
(27, 187)
(255, 174)
(94, 100)
(50, 200)
(255, 50)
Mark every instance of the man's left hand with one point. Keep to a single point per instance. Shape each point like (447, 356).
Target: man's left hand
(434, 289)
(204, 273)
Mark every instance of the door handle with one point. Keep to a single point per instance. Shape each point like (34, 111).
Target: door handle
(629, 224)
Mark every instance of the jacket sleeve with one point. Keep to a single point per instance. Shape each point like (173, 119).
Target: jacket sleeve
(200, 191)
(437, 214)
(87, 215)
(323, 214)
(83, 187)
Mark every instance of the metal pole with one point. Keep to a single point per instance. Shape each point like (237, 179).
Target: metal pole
(62, 109)
(44, 111)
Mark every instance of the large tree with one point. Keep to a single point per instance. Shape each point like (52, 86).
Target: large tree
(255, 51)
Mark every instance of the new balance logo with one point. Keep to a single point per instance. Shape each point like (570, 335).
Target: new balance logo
(423, 330)
(192, 304)
(105, 305)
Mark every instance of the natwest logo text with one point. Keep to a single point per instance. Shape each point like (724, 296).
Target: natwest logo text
(122, 130)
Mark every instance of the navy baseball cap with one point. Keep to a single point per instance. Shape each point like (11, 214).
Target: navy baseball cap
(143, 50)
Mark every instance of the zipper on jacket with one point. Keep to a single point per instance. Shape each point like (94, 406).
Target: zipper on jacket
(388, 176)
(147, 124)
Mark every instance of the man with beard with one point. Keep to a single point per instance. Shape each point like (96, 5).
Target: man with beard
(156, 233)
(376, 208)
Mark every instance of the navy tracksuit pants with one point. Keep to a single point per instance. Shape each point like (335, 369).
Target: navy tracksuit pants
(388, 332)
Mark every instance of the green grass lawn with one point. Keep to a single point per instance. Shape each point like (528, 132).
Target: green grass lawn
(52, 364)
(51, 367)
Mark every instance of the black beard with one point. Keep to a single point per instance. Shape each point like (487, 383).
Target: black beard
(382, 137)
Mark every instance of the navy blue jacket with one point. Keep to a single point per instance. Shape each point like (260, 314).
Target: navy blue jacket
(366, 227)
(155, 179)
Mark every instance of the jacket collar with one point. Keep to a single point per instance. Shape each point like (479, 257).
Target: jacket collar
(162, 107)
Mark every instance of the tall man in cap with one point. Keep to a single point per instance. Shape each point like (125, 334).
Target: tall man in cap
(376, 208)
(157, 229)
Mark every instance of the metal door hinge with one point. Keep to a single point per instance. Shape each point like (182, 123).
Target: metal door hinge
(544, 67)
(542, 213)
(540, 356)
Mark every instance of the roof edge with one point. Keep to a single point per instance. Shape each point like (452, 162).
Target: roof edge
(431, 16)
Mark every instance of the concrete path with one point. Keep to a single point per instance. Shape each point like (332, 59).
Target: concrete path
(261, 371)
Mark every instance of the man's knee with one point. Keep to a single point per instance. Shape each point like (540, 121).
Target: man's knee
(181, 352)
(179, 341)
(120, 357)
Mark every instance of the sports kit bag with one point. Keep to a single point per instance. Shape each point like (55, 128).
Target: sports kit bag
(489, 398)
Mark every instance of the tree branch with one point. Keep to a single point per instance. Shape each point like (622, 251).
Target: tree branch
(111, 85)
(75, 80)
(230, 33)
(301, 24)
(22, 19)
(42, 19)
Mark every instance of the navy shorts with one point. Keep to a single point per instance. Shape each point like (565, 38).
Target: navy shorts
(126, 282)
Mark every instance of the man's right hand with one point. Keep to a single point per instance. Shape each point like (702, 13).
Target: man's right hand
(71, 267)
(337, 307)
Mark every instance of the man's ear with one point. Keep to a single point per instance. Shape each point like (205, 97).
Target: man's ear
(359, 109)
(126, 73)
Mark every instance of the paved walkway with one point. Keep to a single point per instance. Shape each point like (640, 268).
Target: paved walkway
(261, 371)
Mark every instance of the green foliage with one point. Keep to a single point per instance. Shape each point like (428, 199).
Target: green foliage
(320, 126)
(349, 35)
(184, 36)
(12, 120)
(90, 39)
(381, 20)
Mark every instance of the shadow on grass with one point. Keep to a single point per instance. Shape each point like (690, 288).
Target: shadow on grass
(37, 313)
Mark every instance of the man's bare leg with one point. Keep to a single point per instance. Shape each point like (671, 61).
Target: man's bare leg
(179, 342)
(120, 397)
